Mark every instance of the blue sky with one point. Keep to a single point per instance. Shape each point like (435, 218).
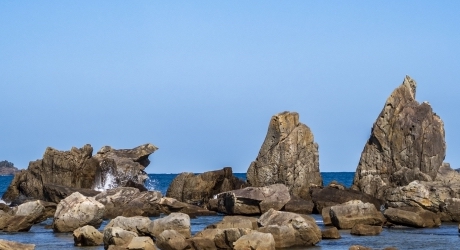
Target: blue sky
(201, 79)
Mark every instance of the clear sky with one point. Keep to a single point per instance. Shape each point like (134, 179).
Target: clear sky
(201, 79)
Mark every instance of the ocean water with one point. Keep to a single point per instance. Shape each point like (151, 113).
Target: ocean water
(444, 237)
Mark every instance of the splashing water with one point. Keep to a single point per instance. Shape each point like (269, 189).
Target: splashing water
(108, 183)
(151, 184)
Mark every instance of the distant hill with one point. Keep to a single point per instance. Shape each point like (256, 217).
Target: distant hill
(7, 168)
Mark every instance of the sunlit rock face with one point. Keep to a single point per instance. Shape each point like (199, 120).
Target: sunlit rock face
(289, 155)
(77, 168)
(406, 144)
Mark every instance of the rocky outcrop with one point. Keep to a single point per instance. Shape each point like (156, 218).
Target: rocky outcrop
(290, 229)
(169, 205)
(351, 213)
(299, 206)
(77, 168)
(7, 168)
(87, 236)
(253, 200)
(289, 155)
(406, 144)
(76, 211)
(24, 216)
(55, 193)
(199, 189)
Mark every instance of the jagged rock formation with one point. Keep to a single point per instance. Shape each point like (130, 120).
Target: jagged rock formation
(199, 189)
(288, 155)
(406, 144)
(77, 168)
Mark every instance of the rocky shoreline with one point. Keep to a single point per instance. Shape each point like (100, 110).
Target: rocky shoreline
(401, 180)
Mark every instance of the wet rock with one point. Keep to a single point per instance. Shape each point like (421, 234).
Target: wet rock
(406, 144)
(347, 215)
(199, 189)
(365, 230)
(87, 236)
(171, 240)
(330, 233)
(253, 200)
(288, 155)
(256, 241)
(290, 229)
(76, 211)
(12, 245)
(412, 216)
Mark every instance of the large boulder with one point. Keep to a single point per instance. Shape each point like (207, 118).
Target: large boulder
(129, 201)
(289, 155)
(236, 221)
(117, 236)
(330, 233)
(171, 240)
(290, 229)
(345, 216)
(199, 189)
(170, 205)
(406, 144)
(138, 224)
(217, 238)
(55, 193)
(76, 211)
(253, 200)
(141, 243)
(175, 221)
(412, 216)
(77, 168)
(365, 230)
(24, 216)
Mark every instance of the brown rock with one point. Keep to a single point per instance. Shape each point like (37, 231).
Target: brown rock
(170, 205)
(141, 243)
(358, 247)
(171, 240)
(117, 236)
(179, 222)
(199, 189)
(256, 241)
(288, 155)
(235, 222)
(325, 213)
(347, 215)
(330, 233)
(299, 206)
(11, 245)
(406, 144)
(365, 230)
(87, 236)
(55, 193)
(253, 200)
(412, 216)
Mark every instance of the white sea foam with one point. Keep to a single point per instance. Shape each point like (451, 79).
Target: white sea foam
(151, 184)
(107, 183)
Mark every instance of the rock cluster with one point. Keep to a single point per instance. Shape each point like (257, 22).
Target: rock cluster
(289, 155)
(77, 168)
(406, 144)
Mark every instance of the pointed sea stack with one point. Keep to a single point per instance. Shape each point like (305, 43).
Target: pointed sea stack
(289, 155)
(406, 144)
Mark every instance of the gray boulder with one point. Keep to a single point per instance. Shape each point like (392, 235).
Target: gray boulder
(87, 236)
(289, 155)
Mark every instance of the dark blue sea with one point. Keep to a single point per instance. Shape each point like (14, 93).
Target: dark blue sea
(444, 237)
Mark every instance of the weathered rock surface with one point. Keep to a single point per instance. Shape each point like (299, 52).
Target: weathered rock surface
(141, 243)
(138, 224)
(24, 216)
(288, 155)
(235, 222)
(12, 245)
(330, 233)
(175, 221)
(218, 238)
(253, 200)
(7, 168)
(129, 201)
(325, 213)
(256, 241)
(199, 189)
(117, 236)
(55, 193)
(87, 236)
(290, 229)
(365, 230)
(412, 216)
(406, 144)
(171, 240)
(76, 211)
(77, 168)
(347, 215)
(169, 205)
(299, 206)
(330, 196)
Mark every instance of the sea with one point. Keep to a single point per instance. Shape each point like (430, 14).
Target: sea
(444, 237)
